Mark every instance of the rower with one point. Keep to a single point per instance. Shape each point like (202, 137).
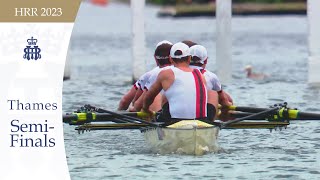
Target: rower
(137, 89)
(161, 56)
(185, 94)
(133, 93)
(127, 98)
(199, 59)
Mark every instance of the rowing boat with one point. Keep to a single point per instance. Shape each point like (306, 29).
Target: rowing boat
(192, 137)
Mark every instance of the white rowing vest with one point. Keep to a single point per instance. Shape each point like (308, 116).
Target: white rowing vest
(140, 83)
(212, 79)
(187, 96)
(153, 77)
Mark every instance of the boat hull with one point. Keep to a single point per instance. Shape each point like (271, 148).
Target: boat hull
(190, 137)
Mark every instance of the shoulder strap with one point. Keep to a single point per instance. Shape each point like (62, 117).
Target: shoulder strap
(201, 94)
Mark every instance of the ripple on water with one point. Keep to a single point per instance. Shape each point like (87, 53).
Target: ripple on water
(314, 172)
(286, 176)
(173, 169)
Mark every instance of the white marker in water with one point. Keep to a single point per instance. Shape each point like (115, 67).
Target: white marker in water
(314, 42)
(138, 38)
(224, 40)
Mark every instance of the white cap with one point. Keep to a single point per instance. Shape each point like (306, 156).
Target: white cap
(182, 47)
(163, 42)
(200, 52)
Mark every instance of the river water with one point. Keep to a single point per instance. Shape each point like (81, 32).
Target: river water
(101, 74)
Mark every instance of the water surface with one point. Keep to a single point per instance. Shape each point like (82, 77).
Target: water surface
(101, 74)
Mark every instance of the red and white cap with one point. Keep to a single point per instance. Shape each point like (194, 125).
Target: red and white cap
(179, 50)
(163, 42)
(200, 52)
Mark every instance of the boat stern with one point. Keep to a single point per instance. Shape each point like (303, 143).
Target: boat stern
(191, 137)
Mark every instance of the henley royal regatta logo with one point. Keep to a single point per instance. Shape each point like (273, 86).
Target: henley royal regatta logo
(32, 51)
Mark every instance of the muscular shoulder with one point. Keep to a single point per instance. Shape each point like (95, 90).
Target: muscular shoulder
(165, 74)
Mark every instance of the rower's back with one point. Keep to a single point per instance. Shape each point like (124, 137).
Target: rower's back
(187, 95)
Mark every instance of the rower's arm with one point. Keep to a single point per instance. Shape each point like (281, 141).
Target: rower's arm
(139, 102)
(224, 98)
(126, 99)
(137, 96)
(151, 94)
(229, 97)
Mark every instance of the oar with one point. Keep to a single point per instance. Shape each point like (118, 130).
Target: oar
(257, 125)
(127, 118)
(89, 127)
(237, 114)
(291, 114)
(245, 109)
(239, 125)
(86, 117)
(139, 115)
(89, 117)
(81, 118)
(302, 116)
(266, 112)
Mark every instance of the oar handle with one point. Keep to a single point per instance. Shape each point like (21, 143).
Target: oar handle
(266, 112)
(90, 127)
(67, 118)
(291, 114)
(128, 118)
(81, 118)
(308, 116)
(246, 109)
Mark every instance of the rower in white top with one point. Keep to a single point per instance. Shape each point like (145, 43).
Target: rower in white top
(161, 57)
(133, 93)
(184, 88)
(199, 59)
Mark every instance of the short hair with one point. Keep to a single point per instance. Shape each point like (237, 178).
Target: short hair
(162, 53)
(182, 59)
(189, 43)
(195, 59)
